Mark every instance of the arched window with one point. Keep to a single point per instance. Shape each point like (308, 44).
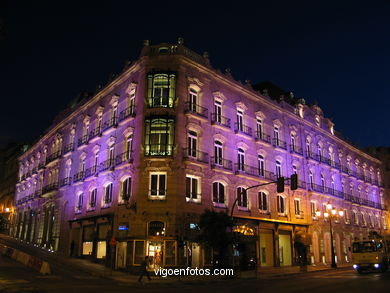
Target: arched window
(292, 142)
(261, 165)
(241, 160)
(79, 202)
(218, 193)
(319, 152)
(311, 180)
(92, 199)
(242, 197)
(218, 153)
(308, 147)
(126, 189)
(128, 147)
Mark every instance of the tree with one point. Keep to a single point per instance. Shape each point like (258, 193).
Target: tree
(215, 232)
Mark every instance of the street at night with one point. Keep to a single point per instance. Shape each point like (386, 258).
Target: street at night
(16, 278)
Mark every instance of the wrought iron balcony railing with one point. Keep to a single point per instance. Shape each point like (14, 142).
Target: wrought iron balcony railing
(107, 164)
(296, 149)
(68, 148)
(218, 162)
(82, 140)
(241, 128)
(277, 142)
(193, 154)
(65, 181)
(124, 157)
(158, 149)
(53, 157)
(50, 187)
(263, 137)
(196, 109)
(128, 112)
(254, 171)
(112, 122)
(220, 120)
(79, 176)
(91, 171)
(94, 133)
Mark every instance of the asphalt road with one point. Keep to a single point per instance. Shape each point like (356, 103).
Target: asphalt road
(16, 278)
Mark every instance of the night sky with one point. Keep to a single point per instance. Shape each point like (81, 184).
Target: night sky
(335, 53)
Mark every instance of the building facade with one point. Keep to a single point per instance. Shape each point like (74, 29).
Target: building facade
(169, 137)
(8, 178)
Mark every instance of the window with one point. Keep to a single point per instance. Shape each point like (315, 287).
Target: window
(131, 103)
(218, 154)
(157, 187)
(263, 201)
(332, 186)
(192, 188)
(319, 152)
(218, 193)
(281, 204)
(370, 221)
(354, 218)
(322, 183)
(240, 122)
(364, 221)
(261, 165)
(278, 169)
(92, 199)
(126, 189)
(107, 194)
(79, 203)
(241, 160)
(346, 217)
(128, 147)
(218, 111)
(96, 161)
(259, 126)
(159, 133)
(193, 100)
(161, 89)
(192, 143)
(297, 206)
(82, 165)
(242, 197)
(294, 169)
(311, 180)
(313, 209)
(276, 135)
(308, 146)
(111, 154)
(114, 114)
(378, 221)
(292, 142)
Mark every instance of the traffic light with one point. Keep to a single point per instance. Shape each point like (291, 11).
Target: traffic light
(280, 185)
(294, 181)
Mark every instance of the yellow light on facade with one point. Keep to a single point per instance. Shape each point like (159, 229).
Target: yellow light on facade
(318, 213)
(7, 210)
(326, 214)
(341, 213)
(334, 212)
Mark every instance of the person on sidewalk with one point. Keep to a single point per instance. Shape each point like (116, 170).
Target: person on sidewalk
(144, 269)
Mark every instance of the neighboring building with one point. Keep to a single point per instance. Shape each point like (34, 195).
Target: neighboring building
(383, 154)
(171, 136)
(8, 178)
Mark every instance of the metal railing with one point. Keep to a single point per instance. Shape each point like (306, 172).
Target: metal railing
(50, 187)
(296, 149)
(193, 154)
(220, 120)
(218, 162)
(277, 142)
(78, 176)
(158, 149)
(263, 136)
(196, 109)
(53, 157)
(112, 122)
(242, 129)
(91, 171)
(128, 112)
(124, 157)
(107, 164)
(161, 102)
(82, 140)
(65, 181)
(68, 148)
(96, 132)
(254, 171)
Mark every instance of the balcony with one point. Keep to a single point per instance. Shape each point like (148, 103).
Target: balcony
(220, 120)
(91, 171)
(82, 140)
(254, 171)
(106, 165)
(124, 157)
(49, 188)
(95, 133)
(263, 137)
(128, 112)
(161, 102)
(196, 109)
(68, 148)
(112, 122)
(311, 155)
(158, 149)
(241, 128)
(79, 176)
(195, 155)
(277, 142)
(218, 162)
(41, 165)
(53, 157)
(65, 181)
(34, 171)
(296, 149)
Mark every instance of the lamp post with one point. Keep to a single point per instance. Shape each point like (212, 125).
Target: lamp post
(329, 214)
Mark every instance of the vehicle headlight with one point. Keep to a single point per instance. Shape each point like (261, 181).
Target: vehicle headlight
(376, 265)
(355, 266)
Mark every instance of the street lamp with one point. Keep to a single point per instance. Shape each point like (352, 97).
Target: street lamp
(329, 214)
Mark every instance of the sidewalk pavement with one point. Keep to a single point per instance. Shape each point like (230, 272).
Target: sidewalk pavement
(99, 270)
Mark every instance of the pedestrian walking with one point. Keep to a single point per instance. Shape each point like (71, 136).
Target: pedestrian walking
(144, 269)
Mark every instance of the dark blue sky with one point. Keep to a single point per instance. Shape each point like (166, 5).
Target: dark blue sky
(335, 53)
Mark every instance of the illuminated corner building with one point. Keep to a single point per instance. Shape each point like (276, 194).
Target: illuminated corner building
(143, 157)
